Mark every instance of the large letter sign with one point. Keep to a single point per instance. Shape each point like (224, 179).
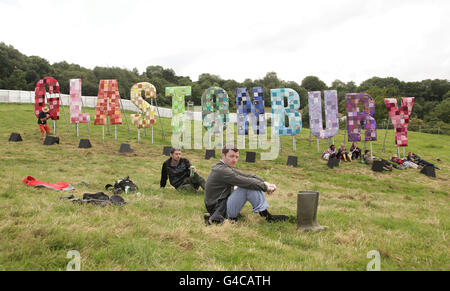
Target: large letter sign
(53, 100)
(279, 112)
(108, 103)
(400, 118)
(331, 114)
(247, 110)
(215, 121)
(354, 117)
(147, 109)
(178, 95)
(75, 103)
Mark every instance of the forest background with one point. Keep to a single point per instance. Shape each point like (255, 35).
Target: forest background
(431, 111)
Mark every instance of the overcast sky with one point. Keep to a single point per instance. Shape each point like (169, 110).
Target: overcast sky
(349, 40)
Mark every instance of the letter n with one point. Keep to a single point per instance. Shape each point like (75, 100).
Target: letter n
(246, 109)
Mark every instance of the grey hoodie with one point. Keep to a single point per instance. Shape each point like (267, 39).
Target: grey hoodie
(222, 179)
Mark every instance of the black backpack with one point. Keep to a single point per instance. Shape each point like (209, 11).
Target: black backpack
(122, 185)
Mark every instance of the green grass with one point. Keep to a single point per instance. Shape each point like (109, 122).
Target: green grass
(402, 214)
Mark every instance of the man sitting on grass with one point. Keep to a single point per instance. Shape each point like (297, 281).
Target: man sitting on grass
(223, 200)
(181, 174)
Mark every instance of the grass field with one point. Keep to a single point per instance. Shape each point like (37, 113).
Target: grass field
(404, 215)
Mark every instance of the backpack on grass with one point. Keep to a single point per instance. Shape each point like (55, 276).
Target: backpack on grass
(122, 185)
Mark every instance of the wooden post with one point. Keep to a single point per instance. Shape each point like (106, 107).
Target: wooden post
(371, 152)
(385, 135)
(159, 115)
(64, 113)
(209, 137)
(107, 125)
(123, 112)
(345, 137)
(294, 144)
(310, 137)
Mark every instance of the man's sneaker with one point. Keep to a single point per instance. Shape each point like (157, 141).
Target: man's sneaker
(273, 218)
(276, 218)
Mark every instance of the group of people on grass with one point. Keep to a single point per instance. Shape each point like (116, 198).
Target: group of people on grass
(226, 189)
(342, 153)
(411, 161)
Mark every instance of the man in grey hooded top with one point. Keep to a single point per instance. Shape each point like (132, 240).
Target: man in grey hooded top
(223, 200)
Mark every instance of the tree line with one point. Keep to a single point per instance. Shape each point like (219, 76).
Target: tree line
(431, 106)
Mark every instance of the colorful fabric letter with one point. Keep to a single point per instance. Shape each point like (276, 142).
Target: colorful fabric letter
(148, 110)
(279, 112)
(248, 110)
(354, 117)
(52, 100)
(331, 114)
(400, 118)
(75, 103)
(215, 121)
(178, 95)
(108, 103)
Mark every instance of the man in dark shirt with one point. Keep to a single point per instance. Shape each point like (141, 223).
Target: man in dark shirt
(42, 122)
(224, 200)
(181, 174)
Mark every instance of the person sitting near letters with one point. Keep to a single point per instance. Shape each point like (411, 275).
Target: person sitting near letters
(355, 151)
(224, 200)
(343, 154)
(181, 174)
(329, 153)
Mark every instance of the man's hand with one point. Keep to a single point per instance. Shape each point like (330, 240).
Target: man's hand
(270, 187)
